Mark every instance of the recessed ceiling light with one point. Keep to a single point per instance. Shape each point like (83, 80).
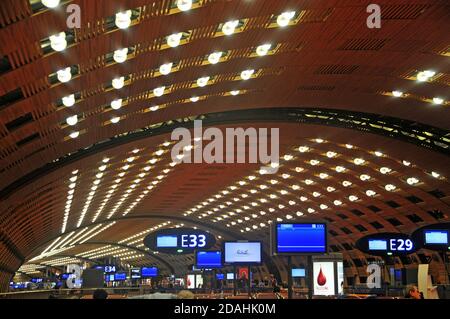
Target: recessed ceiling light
(195, 99)
(116, 104)
(72, 120)
(424, 76)
(229, 27)
(303, 149)
(397, 93)
(247, 74)
(370, 193)
(174, 40)
(120, 55)
(201, 82)
(159, 91)
(58, 41)
(390, 187)
(165, 68)
(50, 3)
(118, 83)
(285, 18)
(184, 5)
(235, 92)
(438, 100)
(435, 175)
(123, 19)
(412, 181)
(154, 108)
(64, 75)
(74, 134)
(214, 58)
(379, 154)
(69, 100)
(262, 50)
(115, 120)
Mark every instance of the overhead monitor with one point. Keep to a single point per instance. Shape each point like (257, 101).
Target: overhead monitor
(244, 253)
(436, 237)
(120, 276)
(208, 259)
(378, 244)
(148, 272)
(298, 272)
(166, 241)
(299, 238)
(230, 276)
(220, 276)
(135, 273)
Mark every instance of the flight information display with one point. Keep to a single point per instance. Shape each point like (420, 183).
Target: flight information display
(383, 244)
(436, 237)
(243, 252)
(208, 259)
(147, 272)
(301, 238)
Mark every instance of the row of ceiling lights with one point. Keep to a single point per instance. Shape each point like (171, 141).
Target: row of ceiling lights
(422, 76)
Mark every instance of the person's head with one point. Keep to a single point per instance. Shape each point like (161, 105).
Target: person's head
(100, 294)
(413, 292)
(185, 294)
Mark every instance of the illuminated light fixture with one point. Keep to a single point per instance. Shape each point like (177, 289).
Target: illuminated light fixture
(311, 210)
(308, 182)
(115, 120)
(331, 154)
(385, 170)
(288, 157)
(159, 91)
(229, 27)
(184, 5)
(323, 175)
(194, 99)
(72, 120)
(174, 40)
(69, 100)
(349, 146)
(116, 104)
(337, 203)
(314, 162)
(397, 93)
(165, 68)
(330, 189)
(285, 176)
(102, 168)
(359, 161)
(154, 108)
(319, 140)
(105, 160)
(346, 183)
(323, 206)
(295, 187)
(74, 135)
(435, 175)
(120, 55)
(50, 3)
(412, 181)
(390, 187)
(247, 74)
(406, 163)
(299, 169)
(64, 75)
(58, 41)
(299, 214)
(118, 83)
(202, 82)
(285, 18)
(234, 93)
(370, 193)
(262, 50)
(316, 194)
(379, 154)
(364, 177)
(303, 149)
(123, 19)
(353, 198)
(214, 58)
(438, 100)
(424, 76)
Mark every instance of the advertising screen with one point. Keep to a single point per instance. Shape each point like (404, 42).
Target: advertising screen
(340, 273)
(208, 259)
(323, 273)
(147, 272)
(301, 238)
(242, 252)
(436, 237)
(190, 281)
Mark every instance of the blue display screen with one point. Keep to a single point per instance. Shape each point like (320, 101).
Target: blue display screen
(109, 278)
(378, 244)
(298, 272)
(301, 238)
(220, 276)
(135, 273)
(230, 276)
(147, 272)
(64, 276)
(436, 237)
(167, 241)
(209, 259)
(36, 280)
(120, 276)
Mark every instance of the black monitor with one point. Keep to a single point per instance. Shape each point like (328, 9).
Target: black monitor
(299, 238)
(242, 253)
(208, 259)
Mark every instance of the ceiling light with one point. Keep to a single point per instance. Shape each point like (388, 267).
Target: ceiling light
(323, 175)
(72, 120)
(425, 75)
(64, 75)
(370, 193)
(234, 93)
(74, 134)
(229, 27)
(390, 187)
(284, 18)
(118, 83)
(195, 99)
(379, 154)
(247, 74)
(262, 50)
(314, 162)
(154, 108)
(385, 170)
(359, 161)
(115, 120)
(303, 149)
(58, 41)
(346, 183)
(331, 154)
(165, 68)
(116, 104)
(406, 163)
(412, 181)
(364, 177)
(353, 198)
(349, 146)
(438, 100)
(337, 202)
(435, 175)
(159, 91)
(50, 3)
(123, 19)
(69, 100)
(120, 55)
(214, 58)
(330, 189)
(174, 40)
(184, 5)
(201, 82)
(397, 93)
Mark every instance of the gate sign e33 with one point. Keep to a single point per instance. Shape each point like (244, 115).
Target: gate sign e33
(179, 240)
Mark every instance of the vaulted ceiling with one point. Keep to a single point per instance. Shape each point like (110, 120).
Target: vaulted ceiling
(85, 165)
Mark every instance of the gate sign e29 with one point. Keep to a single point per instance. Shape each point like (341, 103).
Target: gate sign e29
(179, 240)
(391, 244)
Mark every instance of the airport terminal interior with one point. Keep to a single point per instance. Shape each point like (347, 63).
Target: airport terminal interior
(224, 149)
